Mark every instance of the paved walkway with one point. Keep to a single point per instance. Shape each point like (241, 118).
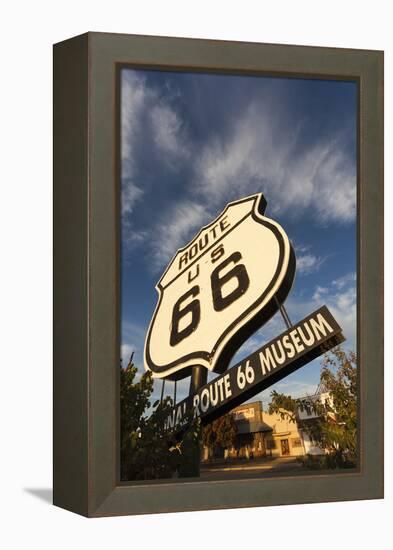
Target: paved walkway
(251, 468)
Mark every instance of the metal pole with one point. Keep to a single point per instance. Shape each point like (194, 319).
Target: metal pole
(198, 379)
(162, 390)
(174, 397)
(284, 313)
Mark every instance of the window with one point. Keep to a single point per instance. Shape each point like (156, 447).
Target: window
(270, 444)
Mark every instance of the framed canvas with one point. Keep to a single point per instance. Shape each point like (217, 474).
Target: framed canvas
(199, 185)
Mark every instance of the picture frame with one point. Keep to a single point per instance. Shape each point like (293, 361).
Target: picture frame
(86, 272)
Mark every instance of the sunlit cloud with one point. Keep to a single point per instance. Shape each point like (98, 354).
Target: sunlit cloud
(176, 227)
(258, 151)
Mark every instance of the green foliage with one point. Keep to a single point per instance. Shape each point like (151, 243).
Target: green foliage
(284, 405)
(335, 428)
(145, 443)
(134, 397)
(190, 449)
(149, 450)
(220, 434)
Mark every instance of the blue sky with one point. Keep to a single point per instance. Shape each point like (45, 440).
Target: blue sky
(192, 142)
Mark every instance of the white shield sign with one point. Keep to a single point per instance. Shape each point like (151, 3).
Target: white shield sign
(220, 288)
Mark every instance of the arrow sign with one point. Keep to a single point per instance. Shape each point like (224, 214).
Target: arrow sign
(300, 344)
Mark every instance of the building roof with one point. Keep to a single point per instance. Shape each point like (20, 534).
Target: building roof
(246, 427)
(248, 405)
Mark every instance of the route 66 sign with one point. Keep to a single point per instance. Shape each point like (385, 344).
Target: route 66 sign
(220, 288)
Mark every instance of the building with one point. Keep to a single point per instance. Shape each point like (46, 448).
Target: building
(307, 414)
(260, 434)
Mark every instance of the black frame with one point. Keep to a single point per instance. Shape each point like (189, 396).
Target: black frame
(86, 320)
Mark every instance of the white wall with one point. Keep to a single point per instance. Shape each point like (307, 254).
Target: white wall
(304, 414)
(309, 447)
(27, 31)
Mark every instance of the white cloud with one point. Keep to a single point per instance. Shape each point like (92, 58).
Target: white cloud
(320, 292)
(308, 263)
(126, 351)
(334, 193)
(176, 228)
(132, 340)
(341, 299)
(341, 282)
(294, 388)
(168, 131)
(133, 101)
(143, 112)
(131, 193)
(143, 109)
(342, 302)
(343, 308)
(132, 236)
(258, 152)
(228, 165)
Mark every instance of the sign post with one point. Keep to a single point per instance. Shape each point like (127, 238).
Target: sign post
(198, 379)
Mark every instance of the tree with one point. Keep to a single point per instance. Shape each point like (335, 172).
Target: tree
(144, 442)
(149, 449)
(220, 434)
(335, 427)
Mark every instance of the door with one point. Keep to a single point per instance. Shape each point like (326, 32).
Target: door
(284, 447)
